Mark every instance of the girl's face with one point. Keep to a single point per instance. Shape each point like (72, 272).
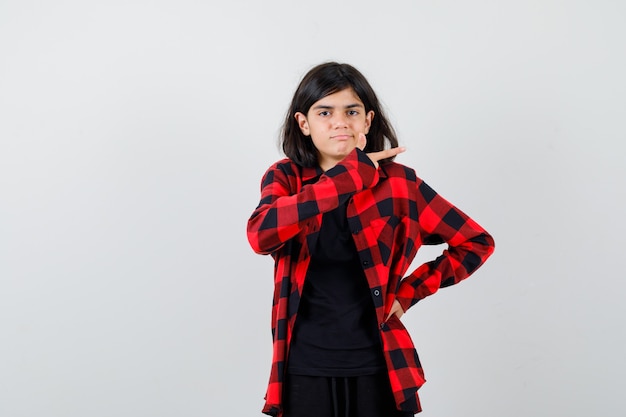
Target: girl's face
(334, 123)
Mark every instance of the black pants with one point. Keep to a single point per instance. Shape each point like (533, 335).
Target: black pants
(320, 396)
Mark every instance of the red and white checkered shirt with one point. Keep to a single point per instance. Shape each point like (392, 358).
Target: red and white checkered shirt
(391, 213)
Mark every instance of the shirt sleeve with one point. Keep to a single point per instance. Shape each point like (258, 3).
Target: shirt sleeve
(283, 210)
(469, 246)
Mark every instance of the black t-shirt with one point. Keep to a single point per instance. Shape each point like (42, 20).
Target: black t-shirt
(336, 332)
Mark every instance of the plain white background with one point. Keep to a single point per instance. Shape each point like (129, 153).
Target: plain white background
(133, 137)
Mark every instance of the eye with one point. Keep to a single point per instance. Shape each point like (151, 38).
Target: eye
(324, 113)
(353, 112)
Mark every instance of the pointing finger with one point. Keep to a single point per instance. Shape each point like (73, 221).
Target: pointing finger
(387, 153)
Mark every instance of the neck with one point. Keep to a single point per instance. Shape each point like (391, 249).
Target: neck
(327, 163)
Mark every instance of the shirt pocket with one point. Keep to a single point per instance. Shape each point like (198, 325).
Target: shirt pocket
(383, 230)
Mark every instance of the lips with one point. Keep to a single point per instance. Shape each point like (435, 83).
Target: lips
(341, 137)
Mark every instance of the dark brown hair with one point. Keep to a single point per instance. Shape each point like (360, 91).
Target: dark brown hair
(319, 82)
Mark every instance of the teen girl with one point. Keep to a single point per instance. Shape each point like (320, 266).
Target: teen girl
(343, 223)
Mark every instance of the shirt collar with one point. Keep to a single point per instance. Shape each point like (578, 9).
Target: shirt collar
(309, 173)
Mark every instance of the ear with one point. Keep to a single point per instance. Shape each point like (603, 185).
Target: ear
(368, 121)
(302, 123)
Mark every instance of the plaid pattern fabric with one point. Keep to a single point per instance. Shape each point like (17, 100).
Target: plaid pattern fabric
(391, 213)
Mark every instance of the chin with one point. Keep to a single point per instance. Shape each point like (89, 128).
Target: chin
(346, 150)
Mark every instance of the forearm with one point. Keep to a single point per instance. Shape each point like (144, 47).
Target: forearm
(284, 211)
(454, 265)
(469, 246)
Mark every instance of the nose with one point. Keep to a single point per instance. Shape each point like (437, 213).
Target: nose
(340, 121)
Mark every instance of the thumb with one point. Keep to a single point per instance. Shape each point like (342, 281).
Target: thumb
(361, 142)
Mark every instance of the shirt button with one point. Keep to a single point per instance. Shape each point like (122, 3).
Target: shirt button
(377, 293)
(365, 263)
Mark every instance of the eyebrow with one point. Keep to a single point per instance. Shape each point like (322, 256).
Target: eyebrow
(349, 106)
